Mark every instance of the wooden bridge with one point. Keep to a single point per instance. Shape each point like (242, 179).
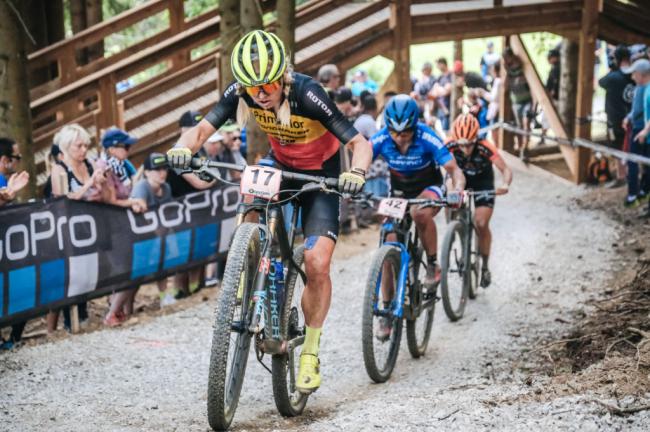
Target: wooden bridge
(327, 31)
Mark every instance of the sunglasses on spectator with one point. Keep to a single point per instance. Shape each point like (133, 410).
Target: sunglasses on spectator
(122, 146)
(17, 157)
(268, 89)
(405, 132)
(237, 137)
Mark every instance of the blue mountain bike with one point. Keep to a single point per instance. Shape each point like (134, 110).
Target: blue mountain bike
(394, 291)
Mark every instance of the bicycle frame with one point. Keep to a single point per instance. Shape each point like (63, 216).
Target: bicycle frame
(265, 302)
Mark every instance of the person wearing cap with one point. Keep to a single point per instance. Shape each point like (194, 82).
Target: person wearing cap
(119, 170)
(619, 92)
(152, 191)
(553, 79)
(189, 119)
(362, 82)
(639, 119)
(232, 140)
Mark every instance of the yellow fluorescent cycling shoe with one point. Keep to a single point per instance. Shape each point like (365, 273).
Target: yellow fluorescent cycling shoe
(308, 374)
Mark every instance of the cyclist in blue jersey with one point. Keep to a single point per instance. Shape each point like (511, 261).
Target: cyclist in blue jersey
(414, 154)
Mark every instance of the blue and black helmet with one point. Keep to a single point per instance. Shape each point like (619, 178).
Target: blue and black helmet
(401, 113)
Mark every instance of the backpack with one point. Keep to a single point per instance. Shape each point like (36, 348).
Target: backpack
(599, 170)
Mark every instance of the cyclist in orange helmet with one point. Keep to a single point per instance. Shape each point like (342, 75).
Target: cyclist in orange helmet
(475, 158)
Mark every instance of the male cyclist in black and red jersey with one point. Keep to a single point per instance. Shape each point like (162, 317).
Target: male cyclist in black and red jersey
(304, 128)
(476, 157)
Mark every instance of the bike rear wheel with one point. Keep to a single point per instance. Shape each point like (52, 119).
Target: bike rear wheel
(418, 330)
(454, 282)
(379, 356)
(289, 401)
(230, 337)
(475, 267)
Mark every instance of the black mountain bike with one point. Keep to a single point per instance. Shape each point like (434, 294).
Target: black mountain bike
(260, 295)
(460, 259)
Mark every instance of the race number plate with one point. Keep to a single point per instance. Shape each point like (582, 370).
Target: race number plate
(393, 207)
(261, 181)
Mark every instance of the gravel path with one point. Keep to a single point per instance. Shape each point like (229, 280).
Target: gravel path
(153, 376)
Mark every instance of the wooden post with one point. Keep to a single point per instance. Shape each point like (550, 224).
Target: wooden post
(107, 102)
(177, 25)
(400, 24)
(285, 27)
(256, 140)
(588, 34)
(229, 33)
(506, 139)
(456, 90)
(15, 114)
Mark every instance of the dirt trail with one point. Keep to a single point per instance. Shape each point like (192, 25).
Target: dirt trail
(152, 376)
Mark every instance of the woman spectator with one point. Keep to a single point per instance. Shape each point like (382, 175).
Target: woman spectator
(77, 178)
(152, 190)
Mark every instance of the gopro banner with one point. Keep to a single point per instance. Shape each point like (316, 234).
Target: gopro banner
(62, 252)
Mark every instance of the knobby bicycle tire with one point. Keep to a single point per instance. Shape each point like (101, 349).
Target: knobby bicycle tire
(475, 267)
(224, 388)
(379, 373)
(454, 267)
(416, 347)
(288, 404)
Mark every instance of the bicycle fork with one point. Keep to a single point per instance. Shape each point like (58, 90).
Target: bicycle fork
(397, 304)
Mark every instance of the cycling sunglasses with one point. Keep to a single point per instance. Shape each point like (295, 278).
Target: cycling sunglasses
(269, 88)
(405, 132)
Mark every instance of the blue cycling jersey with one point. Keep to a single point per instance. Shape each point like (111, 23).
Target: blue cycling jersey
(419, 167)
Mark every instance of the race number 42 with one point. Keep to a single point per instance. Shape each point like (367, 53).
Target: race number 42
(261, 181)
(393, 207)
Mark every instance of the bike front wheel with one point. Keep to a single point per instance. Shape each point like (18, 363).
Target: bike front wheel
(230, 337)
(418, 330)
(454, 282)
(289, 401)
(381, 332)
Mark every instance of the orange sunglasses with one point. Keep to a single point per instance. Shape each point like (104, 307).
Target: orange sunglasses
(269, 88)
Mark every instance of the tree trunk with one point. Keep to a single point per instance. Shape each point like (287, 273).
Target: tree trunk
(229, 33)
(54, 12)
(256, 141)
(285, 27)
(15, 115)
(94, 16)
(568, 85)
(78, 21)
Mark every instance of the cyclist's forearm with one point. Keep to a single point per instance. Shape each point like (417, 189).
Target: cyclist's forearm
(458, 178)
(361, 152)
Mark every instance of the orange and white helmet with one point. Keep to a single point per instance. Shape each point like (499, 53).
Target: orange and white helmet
(465, 128)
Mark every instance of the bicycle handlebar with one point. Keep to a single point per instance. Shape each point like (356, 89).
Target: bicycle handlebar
(204, 165)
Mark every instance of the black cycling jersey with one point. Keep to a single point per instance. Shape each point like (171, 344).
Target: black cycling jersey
(315, 129)
(477, 165)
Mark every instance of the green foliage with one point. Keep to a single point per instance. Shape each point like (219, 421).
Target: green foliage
(198, 7)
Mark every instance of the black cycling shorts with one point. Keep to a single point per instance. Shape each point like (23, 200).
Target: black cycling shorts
(319, 210)
(478, 184)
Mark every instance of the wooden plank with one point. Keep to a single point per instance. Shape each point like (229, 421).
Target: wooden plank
(539, 94)
(616, 33)
(130, 65)
(97, 32)
(506, 138)
(585, 96)
(337, 23)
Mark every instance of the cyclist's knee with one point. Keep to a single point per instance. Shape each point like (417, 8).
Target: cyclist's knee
(482, 225)
(423, 217)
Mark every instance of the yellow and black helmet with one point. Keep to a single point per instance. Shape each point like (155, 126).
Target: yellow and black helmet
(258, 58)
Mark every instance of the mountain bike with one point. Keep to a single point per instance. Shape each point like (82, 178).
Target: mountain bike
(394, 290)
(260, 293)
(460, 259)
